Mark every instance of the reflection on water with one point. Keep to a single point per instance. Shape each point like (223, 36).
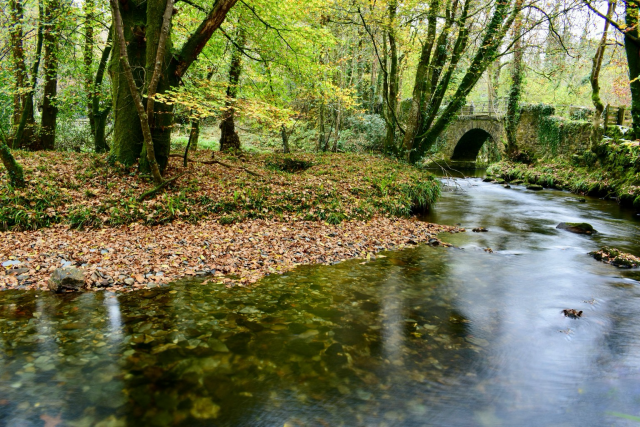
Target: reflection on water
(425, 336)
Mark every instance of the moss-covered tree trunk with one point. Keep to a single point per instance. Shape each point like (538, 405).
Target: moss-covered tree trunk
(142, 23)
(49, 108)
(229, 139)
(16, 175)
(596, 133)
(87, 59)
(159, 13)
(321, 128)
(632, 48)
(501, 20)
(23, 135)
(420, 86)
(20, 71)
(127, 132)
(512, 118)
(194, 135)
(100, 114)
(391, 82)
(285, 140)
(431, 80)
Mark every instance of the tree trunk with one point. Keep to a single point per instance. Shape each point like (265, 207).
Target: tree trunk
(392, 87)
(142, 24)
(16, 175)
(141, 112)
(285, 140)
(127, 133)
(87, 54)
(500, 22)
(422, 84)
(99, 115)
(25, 128)
(512, 118)
(158, 53)
(596, 133)
(321, 128)
(338, 124)
(49, 107)
(229, 139)
(194, 134)
(632, 48)
(20, 70)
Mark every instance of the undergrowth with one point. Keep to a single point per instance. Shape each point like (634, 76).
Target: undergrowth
(611, 170)
(85, 191)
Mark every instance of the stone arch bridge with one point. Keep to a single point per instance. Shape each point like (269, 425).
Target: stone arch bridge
(477, 136)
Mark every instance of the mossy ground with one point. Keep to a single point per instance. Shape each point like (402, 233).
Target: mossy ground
(612, 171)
(84, 190)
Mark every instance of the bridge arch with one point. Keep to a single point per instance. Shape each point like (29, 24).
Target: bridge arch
(469, 145)
(474, 140)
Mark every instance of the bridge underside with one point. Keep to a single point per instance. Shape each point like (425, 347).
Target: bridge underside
(470, 142)
(468, 148)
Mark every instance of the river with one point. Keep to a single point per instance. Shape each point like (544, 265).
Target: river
(458, 336)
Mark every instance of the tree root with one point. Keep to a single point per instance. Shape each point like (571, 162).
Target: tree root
(153, 191)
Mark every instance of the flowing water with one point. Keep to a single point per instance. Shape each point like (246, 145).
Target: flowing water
(425, 336)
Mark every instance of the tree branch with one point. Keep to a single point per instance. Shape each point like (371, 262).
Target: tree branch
(160, 53)
(613, 23)
(201, 36)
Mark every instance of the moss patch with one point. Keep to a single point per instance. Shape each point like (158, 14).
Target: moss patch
(613, 170)
(615, 257)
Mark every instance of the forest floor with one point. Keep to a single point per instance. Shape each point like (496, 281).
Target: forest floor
(237, 220)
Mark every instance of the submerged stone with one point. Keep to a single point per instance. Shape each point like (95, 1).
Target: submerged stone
(204, 409)
(303, 348)
(577, 227)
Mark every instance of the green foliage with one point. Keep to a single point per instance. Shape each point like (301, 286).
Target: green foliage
(613, 171)
(83, 217)
(581, 114)
(555, 131)
(540, 110)
(423, 194)
(618, 133)
(73, 135)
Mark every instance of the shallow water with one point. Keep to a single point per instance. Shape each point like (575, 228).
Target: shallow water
(425, 336)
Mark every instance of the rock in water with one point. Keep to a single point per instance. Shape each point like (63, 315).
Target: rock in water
(535, 187)
(615, 257)
(572, 313)
(577, 227)
(66, 279)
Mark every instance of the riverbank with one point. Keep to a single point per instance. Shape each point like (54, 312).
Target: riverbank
(612, 174)
(86, 191)
(236, 218)
(138, 256)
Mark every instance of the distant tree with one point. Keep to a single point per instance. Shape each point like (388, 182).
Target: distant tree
(632, 48)
(596, 134)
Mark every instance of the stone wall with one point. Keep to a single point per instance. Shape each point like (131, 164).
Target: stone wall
(544, 134)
